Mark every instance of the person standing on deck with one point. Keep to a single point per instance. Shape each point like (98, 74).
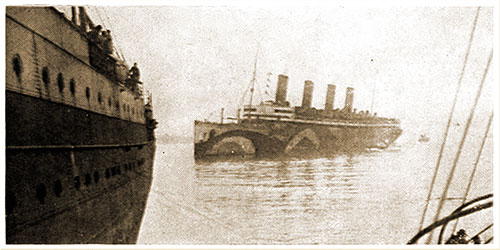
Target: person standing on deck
(135, 73)
(94, 34)
(107, 42)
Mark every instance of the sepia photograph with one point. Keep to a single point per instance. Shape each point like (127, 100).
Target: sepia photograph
(246, 124)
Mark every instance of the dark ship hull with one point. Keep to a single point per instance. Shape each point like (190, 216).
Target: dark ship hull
(269, 138)
(106, 207)
(78, 169)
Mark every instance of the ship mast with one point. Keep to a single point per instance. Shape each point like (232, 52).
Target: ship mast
(252, 88)
(373, 97)
(374, 90)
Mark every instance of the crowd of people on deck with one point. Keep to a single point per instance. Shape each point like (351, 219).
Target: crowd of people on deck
(103, 40)
(343, 114)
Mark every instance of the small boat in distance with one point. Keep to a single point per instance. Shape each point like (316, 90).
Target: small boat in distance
(478, 229)
(423, 138)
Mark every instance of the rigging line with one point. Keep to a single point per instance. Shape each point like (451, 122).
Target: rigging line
(471, 37)
(253, 82)
(242, 98)
(118, 51)
(488, 240)
(475, 165)
(462, 142)
(460, 208)
(259, 92)
(100, 17)
(106, 26)
(448, 218)
(480, 232)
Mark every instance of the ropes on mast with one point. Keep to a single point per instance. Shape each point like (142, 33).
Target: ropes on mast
(118, 51)
(462, 142)
(471, 36)
(475, 164)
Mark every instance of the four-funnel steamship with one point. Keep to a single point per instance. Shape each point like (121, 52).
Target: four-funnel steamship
(276, 128)
(79, 136)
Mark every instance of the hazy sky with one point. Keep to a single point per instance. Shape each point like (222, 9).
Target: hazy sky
(196, 60)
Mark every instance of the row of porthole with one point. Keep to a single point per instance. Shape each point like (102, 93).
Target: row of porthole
(108, 173)
(17, 66)
(40, 194)
(41, 190)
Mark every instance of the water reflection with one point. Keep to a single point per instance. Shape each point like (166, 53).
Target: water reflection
(369, 198)
(282, 201)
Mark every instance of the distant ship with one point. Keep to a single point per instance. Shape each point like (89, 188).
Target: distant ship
(274, 128)
(79, 134)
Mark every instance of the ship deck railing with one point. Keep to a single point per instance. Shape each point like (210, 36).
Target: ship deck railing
(341, 123)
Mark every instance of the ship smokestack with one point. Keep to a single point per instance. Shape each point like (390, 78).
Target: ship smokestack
(281, 90)
(349, 97)
(83, 19)
(73, 15)
(330, 97)
(307, 96)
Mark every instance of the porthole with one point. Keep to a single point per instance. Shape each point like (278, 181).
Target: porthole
(87, 180)
(60, 82)
(45, 76)
(76, 181)
(72, 86)
(58, 188)
(96, 177)
(124, 108)
(17, 65)
(10, 202)
(117, 105)
(87, 93)
(41, 193)
(99, 97)
(109, 102)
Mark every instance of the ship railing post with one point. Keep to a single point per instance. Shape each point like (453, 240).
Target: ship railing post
(221, 115)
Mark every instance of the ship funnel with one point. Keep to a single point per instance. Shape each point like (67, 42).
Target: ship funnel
(73, 15)
(307, 96)
(330, 97)
(281, 90)
(349, 97)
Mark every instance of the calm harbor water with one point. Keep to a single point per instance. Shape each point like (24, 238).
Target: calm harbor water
(375, 197)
